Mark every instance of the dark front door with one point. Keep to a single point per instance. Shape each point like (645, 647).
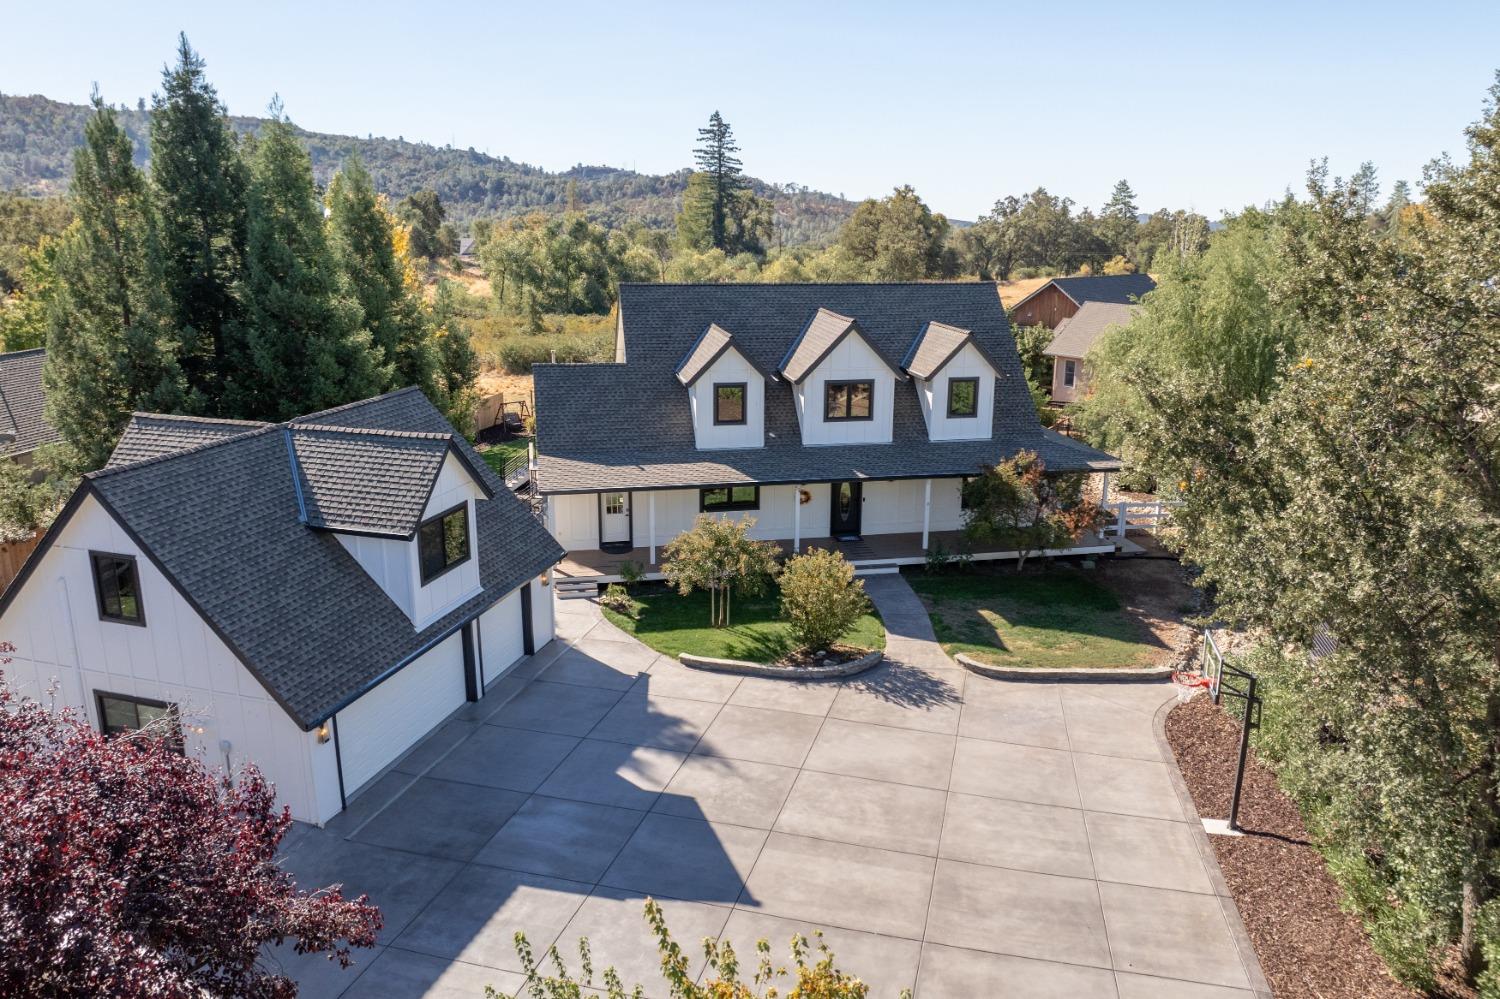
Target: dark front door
(845, 509)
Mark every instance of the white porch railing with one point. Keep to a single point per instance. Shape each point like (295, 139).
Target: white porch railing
(1132, 515)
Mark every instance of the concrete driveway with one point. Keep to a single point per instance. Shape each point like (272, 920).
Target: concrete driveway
(949, 833)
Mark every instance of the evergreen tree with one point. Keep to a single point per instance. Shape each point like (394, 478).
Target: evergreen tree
(198, 180)
(362, 238)
(305, 348)
(107, 354)
(1117, 222)
(715, 159)
(424, 213)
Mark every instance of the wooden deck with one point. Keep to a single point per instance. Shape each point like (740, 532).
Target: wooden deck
(872, 552)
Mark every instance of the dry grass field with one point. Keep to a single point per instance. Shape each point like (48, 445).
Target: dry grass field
(1012, 292)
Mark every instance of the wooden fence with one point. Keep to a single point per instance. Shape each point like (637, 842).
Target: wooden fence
(13, 555)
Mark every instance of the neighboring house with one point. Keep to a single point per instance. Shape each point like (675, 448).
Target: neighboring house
(466, 248)
(1072, 341)
(23, 425)
(315, 596)
(1061, 298)
(845, 415)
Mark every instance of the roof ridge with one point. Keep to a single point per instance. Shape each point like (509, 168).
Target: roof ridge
(186, 418)
(356, 403)
(108, 470)
(378, 432)
(22, 353)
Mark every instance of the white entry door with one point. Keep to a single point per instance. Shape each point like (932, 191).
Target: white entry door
(614, 518)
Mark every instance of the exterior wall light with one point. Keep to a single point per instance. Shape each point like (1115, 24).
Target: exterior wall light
(324, 733)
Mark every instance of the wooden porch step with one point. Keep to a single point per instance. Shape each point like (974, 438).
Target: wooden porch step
(877, 569)
(576, 589)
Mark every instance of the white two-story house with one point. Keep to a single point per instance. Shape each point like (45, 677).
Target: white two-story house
(313, 596)
(835, 415)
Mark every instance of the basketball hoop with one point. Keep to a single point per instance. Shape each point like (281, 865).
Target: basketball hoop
(1189, 684)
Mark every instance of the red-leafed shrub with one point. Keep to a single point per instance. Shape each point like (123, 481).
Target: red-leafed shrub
(128, 869)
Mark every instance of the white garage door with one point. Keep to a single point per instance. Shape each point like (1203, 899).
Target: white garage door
(390, 719)
(500, 636)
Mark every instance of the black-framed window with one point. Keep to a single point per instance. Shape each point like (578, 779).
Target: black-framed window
(730, 402)
(117, 585)
(443, 542)
(1070, 373)
(121, 713)
(848, 401)
(963, 397)
(729, 498)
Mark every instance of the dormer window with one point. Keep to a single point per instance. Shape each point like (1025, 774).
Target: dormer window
(844, 401)
(729, 403)
(443, 542)
(963, 397)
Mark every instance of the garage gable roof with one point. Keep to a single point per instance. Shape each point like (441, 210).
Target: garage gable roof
(221, 520)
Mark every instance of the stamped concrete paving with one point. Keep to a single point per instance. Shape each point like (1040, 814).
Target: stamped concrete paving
(949, 833)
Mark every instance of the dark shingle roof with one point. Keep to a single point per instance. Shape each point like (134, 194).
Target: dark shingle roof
(222, 521)
(150, 435)
(1076, 335)
(1121, 289)
(22, 402)
(705, 352)
(936, 346)
(366, 481)
(630, 426)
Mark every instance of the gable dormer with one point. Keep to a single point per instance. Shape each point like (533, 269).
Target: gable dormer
(402, 504)
(726, 391)
(955, 383)
(844, 389)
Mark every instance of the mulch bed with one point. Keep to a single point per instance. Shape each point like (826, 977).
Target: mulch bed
(1307, 945)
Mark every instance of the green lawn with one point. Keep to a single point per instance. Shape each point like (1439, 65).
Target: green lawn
(672, 624)
(1057, 618)
(496, 455)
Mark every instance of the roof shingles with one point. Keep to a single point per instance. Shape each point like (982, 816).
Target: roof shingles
(23, 402)
(601, 444)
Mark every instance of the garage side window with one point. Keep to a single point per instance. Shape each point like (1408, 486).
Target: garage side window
(118, 588)
(443, 542)
(121, 714)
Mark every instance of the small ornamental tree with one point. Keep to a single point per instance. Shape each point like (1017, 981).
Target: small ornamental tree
(820, 598)
(718, 555)
(1017, 505)
(129, 870)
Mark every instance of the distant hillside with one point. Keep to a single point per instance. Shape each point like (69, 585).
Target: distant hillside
(38, 136)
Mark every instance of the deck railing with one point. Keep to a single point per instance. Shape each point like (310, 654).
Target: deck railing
(1138, 515)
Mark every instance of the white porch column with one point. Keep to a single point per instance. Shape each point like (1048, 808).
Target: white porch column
(1104, 490)
(796, 518)
(651, 520)
(926, 510)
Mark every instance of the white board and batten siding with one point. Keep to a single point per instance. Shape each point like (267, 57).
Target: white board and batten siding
(400, 711)
(890, 507)
(852, 360)
(176, 657)
(730, 368)
(933, 395)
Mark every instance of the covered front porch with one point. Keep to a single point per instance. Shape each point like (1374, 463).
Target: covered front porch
(869, 554)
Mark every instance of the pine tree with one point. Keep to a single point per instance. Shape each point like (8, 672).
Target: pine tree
(362, 238)
(715, 158)
(107, 353)
(304, 345)
(198, 180)
(1118, 221)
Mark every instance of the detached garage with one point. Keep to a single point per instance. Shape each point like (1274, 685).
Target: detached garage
(314, 597)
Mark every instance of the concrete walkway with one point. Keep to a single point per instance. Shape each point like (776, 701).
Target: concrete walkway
(958, 835)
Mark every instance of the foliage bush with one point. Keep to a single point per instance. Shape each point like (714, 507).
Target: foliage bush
(820, 598)
(938, 558)
(812, 971)
(1017, 506)
(619, 600)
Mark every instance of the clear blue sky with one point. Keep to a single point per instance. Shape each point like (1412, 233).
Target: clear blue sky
(1208, 105)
